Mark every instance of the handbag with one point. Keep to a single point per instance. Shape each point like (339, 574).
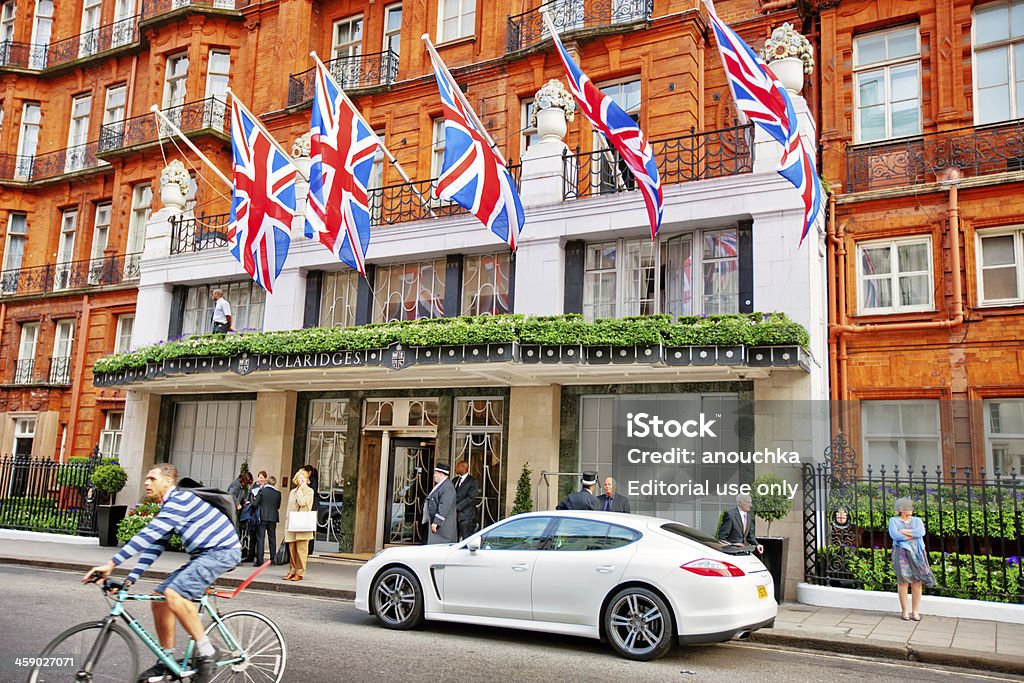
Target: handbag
(299, 521)
(282, 554)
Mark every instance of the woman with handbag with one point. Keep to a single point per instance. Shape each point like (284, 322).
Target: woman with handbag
(300, 525)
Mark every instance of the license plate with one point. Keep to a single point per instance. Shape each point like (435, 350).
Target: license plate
(762, 592)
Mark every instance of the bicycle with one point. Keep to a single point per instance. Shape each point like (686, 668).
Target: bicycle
(253, 647)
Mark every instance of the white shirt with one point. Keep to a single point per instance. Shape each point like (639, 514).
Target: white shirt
(221, 310)
(460, 480)
(743, 518)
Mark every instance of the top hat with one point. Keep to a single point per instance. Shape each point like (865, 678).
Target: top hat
(443, 468)
(589, 478)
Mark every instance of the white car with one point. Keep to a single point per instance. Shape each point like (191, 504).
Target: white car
(638, 582)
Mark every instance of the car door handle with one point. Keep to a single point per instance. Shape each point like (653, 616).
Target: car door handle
(520, 567)
(605, 568)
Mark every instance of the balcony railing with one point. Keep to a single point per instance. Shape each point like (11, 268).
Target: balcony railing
(152, 8)
(60, 370)
(50, 164)
(697, 156)
(59, 277)
(101, 39)
(191, 117)
(22, 55)
(527, 29)
(198, 233)
(24, 371)
(923, 159)
(357, 71)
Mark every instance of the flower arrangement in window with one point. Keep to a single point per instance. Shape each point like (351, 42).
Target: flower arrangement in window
(175, 173)
(787, 42)
(554, 94)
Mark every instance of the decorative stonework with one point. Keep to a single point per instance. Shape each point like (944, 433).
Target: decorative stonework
(300, 148)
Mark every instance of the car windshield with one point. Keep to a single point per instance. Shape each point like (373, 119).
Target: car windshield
(701, 537)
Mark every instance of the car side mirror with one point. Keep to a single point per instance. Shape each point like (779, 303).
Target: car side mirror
(473, 544)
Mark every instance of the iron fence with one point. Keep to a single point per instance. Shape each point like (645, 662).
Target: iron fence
(24, 371)
(110, 270)
(527, 29)
(60, 370)
(697, 156)
(45, 495)
(971, 151)
(100, 39)
(356, 71)
(22, 55)
(191, 117)
(974, 524)
(199, 233)
(15, 167)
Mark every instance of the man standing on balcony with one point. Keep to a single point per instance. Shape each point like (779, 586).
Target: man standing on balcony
(221, 313)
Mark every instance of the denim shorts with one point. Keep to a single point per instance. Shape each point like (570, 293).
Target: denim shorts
(191, 579)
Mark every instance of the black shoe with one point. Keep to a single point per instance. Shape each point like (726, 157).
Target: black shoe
(205, 667)
(157, 672)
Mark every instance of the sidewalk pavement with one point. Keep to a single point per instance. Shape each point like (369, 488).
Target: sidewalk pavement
(969, 643)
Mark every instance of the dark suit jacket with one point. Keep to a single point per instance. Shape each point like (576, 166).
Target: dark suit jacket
(269, 502)
(465, 499)
(731, 530)
(619, 502)
(580, 500)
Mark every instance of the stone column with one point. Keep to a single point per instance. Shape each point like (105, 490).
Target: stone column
(138, 441)
(274, 440)
(533, 437)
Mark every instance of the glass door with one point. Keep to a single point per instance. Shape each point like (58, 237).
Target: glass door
(41, 33)
(28, 140)
(65, 249)
(78, 134)
(410, 479)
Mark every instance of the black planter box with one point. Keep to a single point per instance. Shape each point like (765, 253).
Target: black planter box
(107, 519)
(730, 355)
(648, 353)
(171, 366)
(759, 356)
(498, 353)
(563, 354)
(623, 354)
(598, 355)
(774, 558)
(530, 353)
(677, 355)
(703, 355)
(221, 363)
(204, 364)
(427, 355)
(189, 365)
(475, 353)
(451, 354)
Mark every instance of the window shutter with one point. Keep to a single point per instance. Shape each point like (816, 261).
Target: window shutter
(364, 299)
(453, 286)
(314, 288)
(574, 254)
(745, 247)
(178, 293)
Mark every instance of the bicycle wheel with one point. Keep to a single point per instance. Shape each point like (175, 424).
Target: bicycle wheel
(263, 649)
(65, 656)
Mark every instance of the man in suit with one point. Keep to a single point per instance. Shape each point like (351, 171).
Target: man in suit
(611, 501)
(737, 526)
(584, 498)
(439, 508)
(268, 502)
(249, 519)
(466, 490)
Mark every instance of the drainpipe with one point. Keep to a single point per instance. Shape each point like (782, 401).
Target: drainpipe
(831, 245)
(79, 369)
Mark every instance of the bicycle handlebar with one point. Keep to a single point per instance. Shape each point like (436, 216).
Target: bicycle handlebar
(110, 585)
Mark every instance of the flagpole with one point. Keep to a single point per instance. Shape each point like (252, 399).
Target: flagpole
(387, 152)
(266, 132)
(177, 131)
(458, 91)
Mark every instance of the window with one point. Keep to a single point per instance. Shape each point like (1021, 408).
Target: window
(65, 249)
(895, 276)
(393, 29)
(529, 136)
(100, 233)
(24, 434)
(638, 277)
(338, 294)
(903, 434)
(437, 161)
(28, 140)
(614, 175)
(7, 14)
(1001, 267)
(887, 81)
(409, 291)
(347, 46)
(458, 20)
(375, 193)
(114, 108)
(326, 448)
(142, 197)
(41, 33)
(211, 439)
(247, 301)
(88, 40)
(1004, 434)
(485, 284)
(60, 361)
(176, 78)
(586, 534)
(123, 31)
(123, 336)
(110, 437)
(999, 62)
(477, 439)
(519, 534)
(14, 252)
(78, 134)
(24, 367)
(217, 74)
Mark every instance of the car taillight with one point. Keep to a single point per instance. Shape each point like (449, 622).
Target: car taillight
(708, 567)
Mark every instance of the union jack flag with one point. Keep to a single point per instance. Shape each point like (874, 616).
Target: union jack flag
(473, 174)
(262, 201)
(764, 100)
(342, 147)
(620, 131)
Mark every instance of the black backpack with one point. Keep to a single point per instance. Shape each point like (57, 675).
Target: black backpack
(220, 500)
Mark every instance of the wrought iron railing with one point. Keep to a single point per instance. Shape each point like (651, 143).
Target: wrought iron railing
(101, 272)
(24, 371)
(697, 156)
(191, 117)
(101, 39)
(528, 29)
(46, 495)
(911, 161)
(152, 8)
(974, 525)
(198, 233)
(22, 55)
(60, 370)
(50, 164)
(357, 71)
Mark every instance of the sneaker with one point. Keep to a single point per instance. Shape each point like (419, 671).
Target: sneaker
(205, 667)
(156, 673)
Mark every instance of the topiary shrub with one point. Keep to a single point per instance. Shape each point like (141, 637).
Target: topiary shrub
(109, 479)
(524, 497)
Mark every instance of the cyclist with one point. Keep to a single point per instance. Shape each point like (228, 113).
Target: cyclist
(213, 547)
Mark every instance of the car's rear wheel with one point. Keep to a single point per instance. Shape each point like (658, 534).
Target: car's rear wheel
(397, 599)
(639, 624)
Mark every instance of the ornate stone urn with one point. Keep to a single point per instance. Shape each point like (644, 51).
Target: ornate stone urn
(554, 107)
(174, 182)
(790, 57)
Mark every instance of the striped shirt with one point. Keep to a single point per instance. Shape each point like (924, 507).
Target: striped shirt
(201, 526)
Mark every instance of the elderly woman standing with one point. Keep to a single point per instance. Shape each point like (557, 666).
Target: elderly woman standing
(909, 559)
(300, 499)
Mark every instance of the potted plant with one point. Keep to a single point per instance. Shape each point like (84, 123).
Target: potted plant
(790, 56)
(107, 481)
(771, 504)
(553, 107)
(524, 497)
(174, 184)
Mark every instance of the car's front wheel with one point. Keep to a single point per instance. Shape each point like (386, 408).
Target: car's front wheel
(397, 599)
(639, 624)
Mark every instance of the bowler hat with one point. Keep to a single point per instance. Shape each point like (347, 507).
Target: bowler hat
(589, 478)
(443, 468)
